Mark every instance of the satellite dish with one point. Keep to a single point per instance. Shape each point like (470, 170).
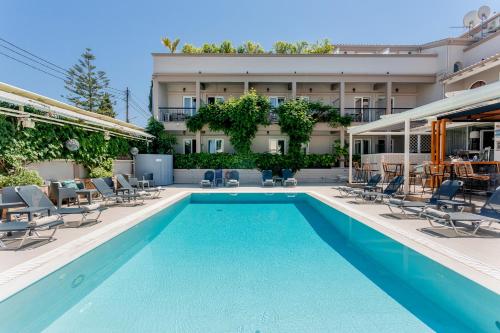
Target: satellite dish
(471, 19)
(483, 12)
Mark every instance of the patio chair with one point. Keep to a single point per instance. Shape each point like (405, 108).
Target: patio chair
(61, 193)
(233, 179)
(288, 178)
(208, 179)
(389, 192)
(30, 230)
(154, 192)
(108, 194)
(218, 177)
(149, 177)
(35, 199)
(488, 214)
(388, 173)
(443, 196)
(267, 178)
(371, 185)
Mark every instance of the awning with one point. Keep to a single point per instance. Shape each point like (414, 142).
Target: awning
(62, 113)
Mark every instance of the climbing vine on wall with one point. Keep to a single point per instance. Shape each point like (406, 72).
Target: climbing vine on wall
(238, 118)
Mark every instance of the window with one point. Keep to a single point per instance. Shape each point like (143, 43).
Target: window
(276, 101)
(215, 146)
(189, 102)
(189, 146)
(457, 66)
(362, 108)
(215, 99)
(277, 146)
(362, 146)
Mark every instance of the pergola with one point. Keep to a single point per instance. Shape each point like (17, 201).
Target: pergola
(477, 105)
(59, 113)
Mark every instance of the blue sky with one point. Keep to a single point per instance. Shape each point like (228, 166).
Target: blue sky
(123, 33)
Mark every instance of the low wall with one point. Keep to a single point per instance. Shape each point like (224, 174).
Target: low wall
(63, 169)
(253, 176)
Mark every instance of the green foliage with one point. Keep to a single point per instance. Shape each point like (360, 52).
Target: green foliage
(330, 114)
(250, 47)
(296, 121)
(106, 106)
(85, 85)
(21, 176)
(280, 47)
(238, 118)
(100, 172)
(340, 152)
(163, 143)
(264, 161)
(21, 146)
(150, 98)
(170, 44)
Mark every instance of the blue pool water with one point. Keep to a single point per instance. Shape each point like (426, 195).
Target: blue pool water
(252, 263)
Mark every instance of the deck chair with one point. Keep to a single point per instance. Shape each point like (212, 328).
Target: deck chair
(153, 192)
(208, 179)
(371, 185)
(267, 178)
(108, 194)
(29, 230)
(34, 197)
(233, 179)
(218, 180)
(389, 192)
(443, 196)
(288, 178)
(488, 214)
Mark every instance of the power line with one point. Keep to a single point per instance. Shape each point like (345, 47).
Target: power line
(38, 62)
(38, 69)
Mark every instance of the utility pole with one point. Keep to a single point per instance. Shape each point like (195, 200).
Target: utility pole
(127, 92)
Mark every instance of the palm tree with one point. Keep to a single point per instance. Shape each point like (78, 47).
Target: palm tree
(169, 44)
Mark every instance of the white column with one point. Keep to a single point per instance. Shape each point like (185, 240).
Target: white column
(407, 157)
(342, 98)
(350, 158)
(198, 103)
(388, 110)
(246, 86)
(156, 93)
(342, 144)
(294, 89)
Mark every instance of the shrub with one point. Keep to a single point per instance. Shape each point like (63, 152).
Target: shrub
(20, 177)
(100, 172)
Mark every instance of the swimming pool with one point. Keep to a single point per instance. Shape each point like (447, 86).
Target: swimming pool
(252, 263)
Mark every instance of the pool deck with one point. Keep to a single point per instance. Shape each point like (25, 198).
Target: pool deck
(476, 257)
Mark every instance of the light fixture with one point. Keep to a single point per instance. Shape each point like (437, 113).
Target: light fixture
(107, 137)
(134, 151)
(311, 90)
(474, 135)
(72, 144)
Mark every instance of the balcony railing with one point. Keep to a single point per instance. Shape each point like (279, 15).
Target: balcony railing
(370, 114)
(168, 114)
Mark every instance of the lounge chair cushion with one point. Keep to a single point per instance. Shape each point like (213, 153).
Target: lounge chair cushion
(91, 207)
(406, 203)
(43, 221)
(70, 184)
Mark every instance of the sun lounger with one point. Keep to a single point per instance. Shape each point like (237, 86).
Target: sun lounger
(389, 192)
(108, 194)
(267, 178)
(288, 178)
(234, 179)
(371, 185)
(148, 191)
(34, 198)
(30, 229)
(442, 197)
(208, 179)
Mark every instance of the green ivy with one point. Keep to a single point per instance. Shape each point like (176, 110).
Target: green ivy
(163, 142)
(296, 121)
(238, 118)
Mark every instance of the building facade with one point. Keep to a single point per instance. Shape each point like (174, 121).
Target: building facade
(364, 81)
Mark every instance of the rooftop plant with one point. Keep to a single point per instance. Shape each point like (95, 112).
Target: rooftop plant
(280, 47)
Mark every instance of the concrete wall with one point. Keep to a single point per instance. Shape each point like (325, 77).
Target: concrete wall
(253, 176)
(62, 169)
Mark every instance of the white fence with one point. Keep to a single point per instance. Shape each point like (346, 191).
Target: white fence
(254, 177)
(63, 169)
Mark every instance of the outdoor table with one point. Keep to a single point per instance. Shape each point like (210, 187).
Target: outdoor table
(454, 204)
(87, 193)
(30, 211)
(8, 205)
(142, 183)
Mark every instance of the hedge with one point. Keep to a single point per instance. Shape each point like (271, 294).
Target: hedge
(252, 161)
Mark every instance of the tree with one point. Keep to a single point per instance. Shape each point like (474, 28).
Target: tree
(250, 47)
(86, 86)
(163, 143)
(106, 106)
(171, 44)
(190, 49)
(227, 47)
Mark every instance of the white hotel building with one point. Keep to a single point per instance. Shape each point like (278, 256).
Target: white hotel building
(364, 81)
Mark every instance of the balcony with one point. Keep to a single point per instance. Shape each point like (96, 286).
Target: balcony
(362, 115)
(174, 114)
